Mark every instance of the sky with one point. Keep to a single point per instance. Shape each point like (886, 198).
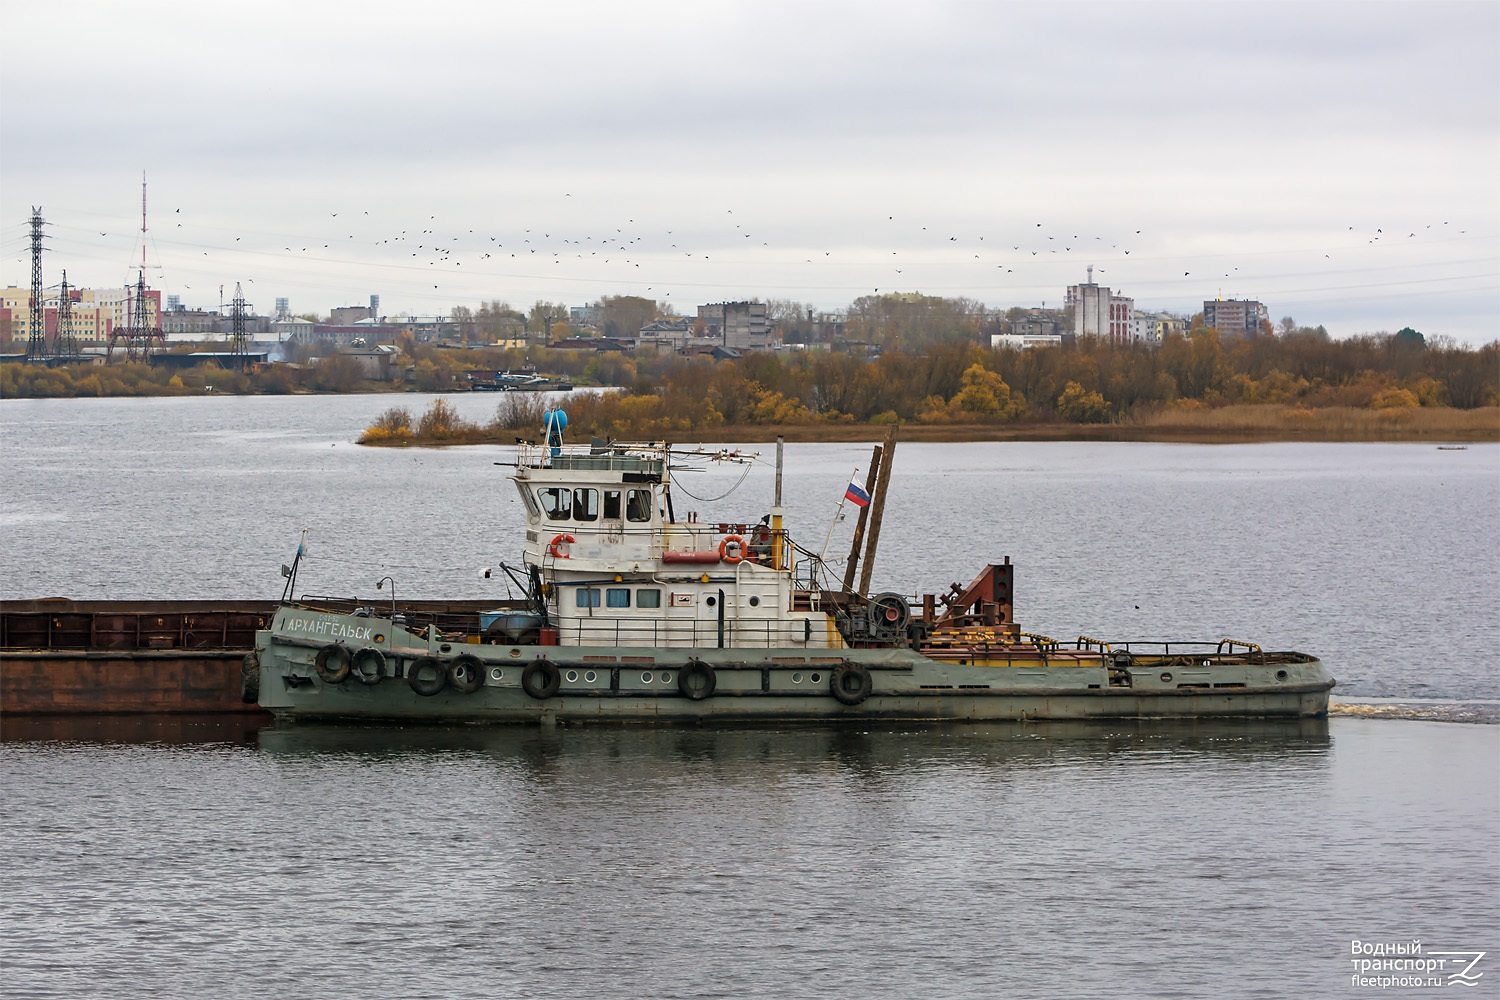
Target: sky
(1340, 162)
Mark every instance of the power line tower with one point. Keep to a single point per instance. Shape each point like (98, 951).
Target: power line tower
(142, 333)
(65, 343)
(239, 341)
(36, 341)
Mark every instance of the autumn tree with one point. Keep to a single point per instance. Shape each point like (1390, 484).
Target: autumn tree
(543, 315)
(496, 320)
(624, 315)
(1082, 406)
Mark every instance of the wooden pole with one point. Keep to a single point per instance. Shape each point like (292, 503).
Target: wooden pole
(878, 509)
(864, 515)
(777, 553)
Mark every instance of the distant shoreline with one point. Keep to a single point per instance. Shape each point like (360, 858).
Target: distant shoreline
(1244, 424)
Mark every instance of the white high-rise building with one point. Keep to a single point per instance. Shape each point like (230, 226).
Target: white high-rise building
(1099, 313)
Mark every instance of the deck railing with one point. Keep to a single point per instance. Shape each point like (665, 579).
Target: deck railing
(694, 632)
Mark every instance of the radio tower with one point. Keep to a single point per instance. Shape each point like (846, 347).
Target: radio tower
(65, 344)
(141, 333)
(36, 341)
(239, 343)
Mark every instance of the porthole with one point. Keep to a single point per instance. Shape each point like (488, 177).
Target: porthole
(755, 602)
(710, 601)
(646, 677)
(1166, 678)
(379, 637)
(496, 674)
(816, 678)
(572, 676)
(590, 677)
(515, 654)
(796, 678)
(1281, 675)
(666, 678)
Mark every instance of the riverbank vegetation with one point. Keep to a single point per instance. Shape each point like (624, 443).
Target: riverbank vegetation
(1296, 385)
(1197, 387)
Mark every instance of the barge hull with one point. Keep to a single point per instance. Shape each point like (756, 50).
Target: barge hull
(93, 682)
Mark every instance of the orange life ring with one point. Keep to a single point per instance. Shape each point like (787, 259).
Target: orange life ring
(739, 550)
(562, 539)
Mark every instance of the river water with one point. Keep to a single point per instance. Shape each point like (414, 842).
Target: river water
(190, 857)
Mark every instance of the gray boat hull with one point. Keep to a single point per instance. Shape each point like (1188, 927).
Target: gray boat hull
(645, 684)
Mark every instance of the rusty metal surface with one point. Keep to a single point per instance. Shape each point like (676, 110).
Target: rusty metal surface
(91, 682)
(62, 657)
(186, 625)
(130, 625)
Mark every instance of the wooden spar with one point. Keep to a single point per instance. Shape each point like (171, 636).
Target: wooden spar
(864, 515)
(878, 505)
(777, 555)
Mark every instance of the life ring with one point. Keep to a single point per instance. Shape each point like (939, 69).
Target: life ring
(369, 665)
(697, 680)
(563, 538)
(250, 678)
(426, 676)
(332, 663)
(541, 679)
(850, 683)
(739, 549)
(466, 673)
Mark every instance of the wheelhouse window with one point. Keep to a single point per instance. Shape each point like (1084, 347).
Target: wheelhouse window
(648, 597)
(585, 505)
(531, 504)
(587, 597)
(617, 597)
(611, 505)
(638, 506)
(556, 501)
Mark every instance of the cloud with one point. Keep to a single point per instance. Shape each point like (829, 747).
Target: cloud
(1248, 134)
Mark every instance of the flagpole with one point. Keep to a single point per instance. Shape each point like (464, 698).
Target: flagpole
(837, 514)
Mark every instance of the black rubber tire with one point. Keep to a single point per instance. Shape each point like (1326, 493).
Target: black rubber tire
(466, 673)
(426, 676)
(850, 683)
(250, 678)
(541, 679)
(697, 680)
(332, 663)
(368, 666)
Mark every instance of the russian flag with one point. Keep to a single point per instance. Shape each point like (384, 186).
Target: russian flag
(856, 495)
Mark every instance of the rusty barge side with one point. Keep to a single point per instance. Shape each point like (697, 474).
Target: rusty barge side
(62, 657)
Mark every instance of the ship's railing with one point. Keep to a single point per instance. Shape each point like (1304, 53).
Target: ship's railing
(1183, 653)
(450, 617)
(645, 458)
(702, 633)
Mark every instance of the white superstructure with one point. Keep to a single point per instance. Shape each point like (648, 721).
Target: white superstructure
(617, 567)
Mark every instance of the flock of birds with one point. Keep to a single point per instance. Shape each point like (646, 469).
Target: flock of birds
(635, 255)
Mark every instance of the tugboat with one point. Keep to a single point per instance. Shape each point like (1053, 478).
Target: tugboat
(635, 614)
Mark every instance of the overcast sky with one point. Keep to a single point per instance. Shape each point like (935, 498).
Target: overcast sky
(1337, 161)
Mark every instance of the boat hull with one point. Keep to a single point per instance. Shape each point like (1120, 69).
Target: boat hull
(646, 684)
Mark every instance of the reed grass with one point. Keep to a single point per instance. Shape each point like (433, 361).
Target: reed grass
(1274, 422)
(1206, 425)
